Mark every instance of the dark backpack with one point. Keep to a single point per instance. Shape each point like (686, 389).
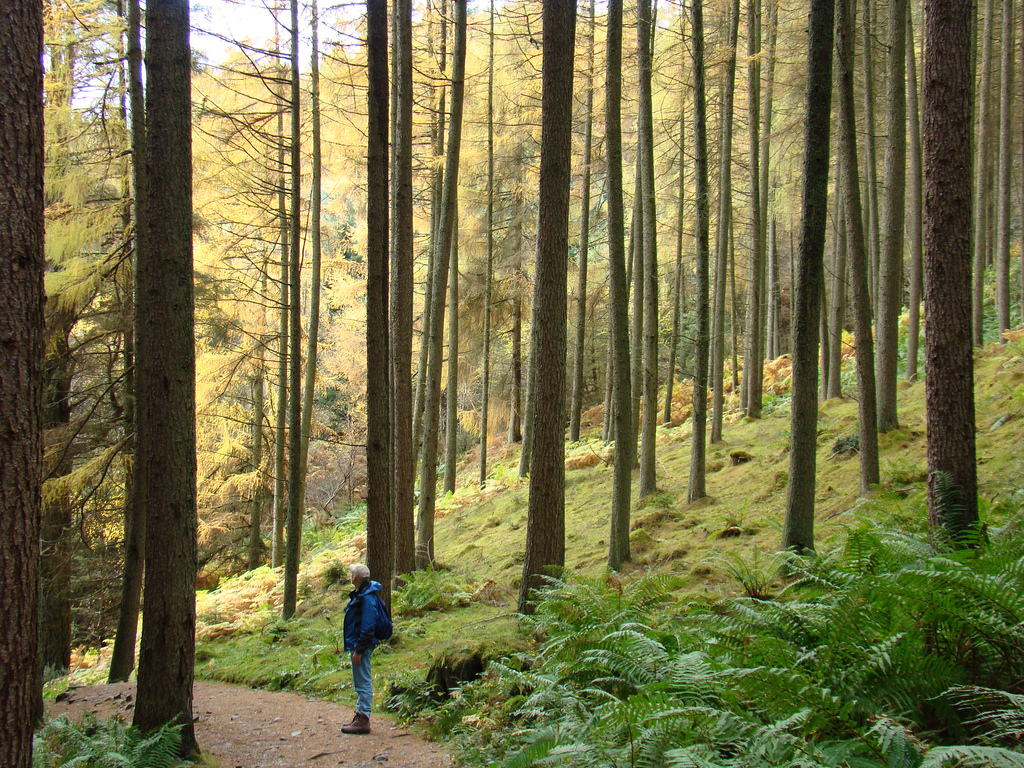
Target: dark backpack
(384, 628)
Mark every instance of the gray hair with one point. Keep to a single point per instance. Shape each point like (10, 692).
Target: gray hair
(359, 570)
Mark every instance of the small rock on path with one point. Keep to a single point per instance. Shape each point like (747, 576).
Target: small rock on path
(246, 728)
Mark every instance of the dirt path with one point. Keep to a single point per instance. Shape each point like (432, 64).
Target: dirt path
(246, 728)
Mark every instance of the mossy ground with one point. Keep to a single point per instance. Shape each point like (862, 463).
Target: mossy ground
(480, 534)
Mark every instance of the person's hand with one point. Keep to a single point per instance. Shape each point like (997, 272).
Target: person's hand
(357, 658)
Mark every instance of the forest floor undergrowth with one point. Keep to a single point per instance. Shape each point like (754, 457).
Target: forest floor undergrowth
(239, 727)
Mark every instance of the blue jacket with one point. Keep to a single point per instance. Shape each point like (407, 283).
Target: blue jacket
(361, 617)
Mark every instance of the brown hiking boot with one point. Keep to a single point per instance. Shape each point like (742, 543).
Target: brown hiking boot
(360, 724)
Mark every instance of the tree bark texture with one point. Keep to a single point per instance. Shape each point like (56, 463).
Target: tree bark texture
(696, 488)
(949, 364)
(122, 657)
(489, 272)
(545, 531)
(647, 481)
(439, 281)
(724, 222)
(576, 408)
(1002, 201)
(166, 381)
(798, 526)
(293, 536)
(622, 425)
(379, 518)
(914, 205)
(402, 255)
(864, 345)
(451, 400)
(980, 197)
(890, 274)
(313, 332)
(21, 374)
(753, 368)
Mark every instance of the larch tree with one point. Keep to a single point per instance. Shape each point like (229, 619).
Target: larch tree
(696, 488)
(439, 284)
(316, 179)
(982, 140)
(915, 264)
(870, 131)
(451, 397)
(293, 533)
(485, 394)
(166, 378)
(858, 251)
(679, 289)
(647, 481)
(21, 381)
(1005, 163)
(379, 516)
(949, 361)
(545, 531)
(122, 657)
(277, 546)
(724, 224)
(798, 525)
(890, 271)
(625, 443)
(401, 312)
(576, 407)
(753, 368)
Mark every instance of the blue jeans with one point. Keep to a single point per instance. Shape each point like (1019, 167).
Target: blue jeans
(363, 683)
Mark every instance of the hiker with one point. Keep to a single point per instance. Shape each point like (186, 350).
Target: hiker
(360, 638)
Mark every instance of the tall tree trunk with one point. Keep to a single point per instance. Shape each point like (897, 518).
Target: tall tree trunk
(122, 658)
(451, 433)
(379, 516)
(914, 205)
(432, 402)
(870, 153)
(890, 273)
(166, 373)
(825, 350)
(647, 481)
(402, 254)
(724, 223)
(280, 467)
(618, 288)
(436, 217)
(545, 532)
(489, 274)
(636, 273)
(313, 331)
(980, 198)
(766, 132)
(21, 352)
(293, 540)
(696, 488)
(774, 298)
(753, 368)
(949, 364)
(576, 408)
(515, 431)
(1005, 164)
(798, 526)
(857, 252)
(259, 490)
(526, 453)
(678, 294)
(837, 310)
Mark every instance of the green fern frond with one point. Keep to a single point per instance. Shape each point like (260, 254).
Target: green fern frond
(990, 757)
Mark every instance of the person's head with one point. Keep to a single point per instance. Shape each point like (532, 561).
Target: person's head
(359, 573)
